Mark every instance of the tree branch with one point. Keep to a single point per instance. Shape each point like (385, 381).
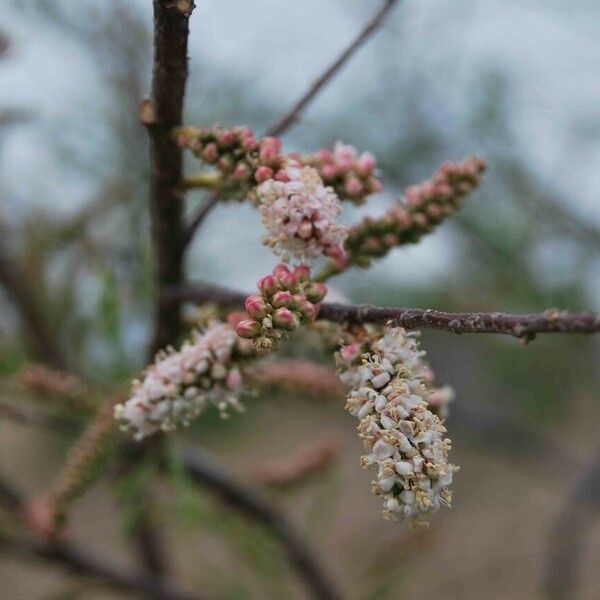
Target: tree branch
(569, 535)
(79, 562)
(292, 115)
(160, 114)
(76, 561)
(524, 326)
(302, 558)
(42, 338)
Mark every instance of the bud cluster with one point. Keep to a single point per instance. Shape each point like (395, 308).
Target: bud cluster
(423, 207)
(180, 385)
(404, 439)
(287, 299)
(352, 176)
(301, 216)
(242, 160)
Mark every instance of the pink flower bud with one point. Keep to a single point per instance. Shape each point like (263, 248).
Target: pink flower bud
(337, 254)
(256, 307)
(233, 318)
(329, 172)
(325, 154)
(268, 285)
(248, 144)
(366, 163)
(315, 292)
(183, 140)
(263, 173)
(289, 281)
(240, 171)
(282, 175)
(403, 219)
(353, 186)
(269, 149)
(297, 302)
(434, 211)
(225, 163)
(308, 309)
(248, 329)
(345, 155)
(302, 273)
(282, 298)
(211, 153)
(280, 270)
(443, 189)
(286, 319)
(226, 138)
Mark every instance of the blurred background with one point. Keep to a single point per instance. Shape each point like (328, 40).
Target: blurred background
(513, 81)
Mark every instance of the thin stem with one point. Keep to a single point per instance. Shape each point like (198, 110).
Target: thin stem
(524, 326)
(203, 471)
(202, 180)
(26, 300)
(292, 115)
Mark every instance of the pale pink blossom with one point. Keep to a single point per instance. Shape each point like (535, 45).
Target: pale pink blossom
(301, 216)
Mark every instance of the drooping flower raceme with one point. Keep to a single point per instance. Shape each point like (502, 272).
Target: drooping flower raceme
(301, 216)
(404, 439)
(180, 385)
(286, 300)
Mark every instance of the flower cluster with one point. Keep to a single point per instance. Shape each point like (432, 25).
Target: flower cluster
(287, 299)
(180, 385)
(242, 160)
(423, 207)
(404, 439)
(352, 176)
(301, 216)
